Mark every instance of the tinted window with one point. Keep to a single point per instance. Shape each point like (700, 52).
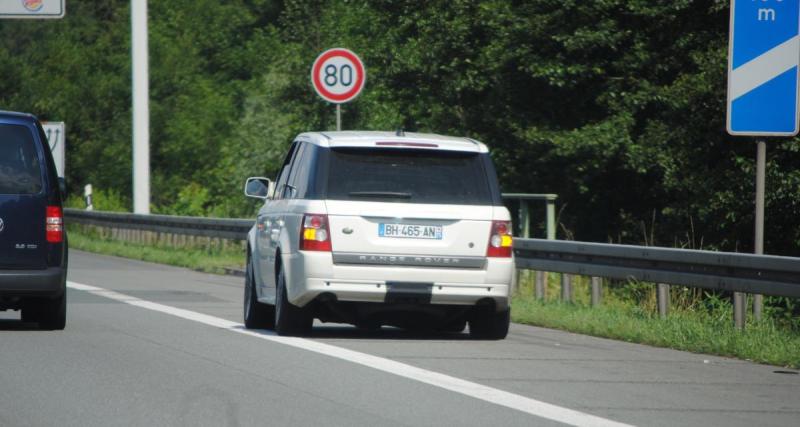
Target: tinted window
(20, 170)
(408, 176)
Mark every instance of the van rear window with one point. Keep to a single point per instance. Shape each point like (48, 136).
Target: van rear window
(20, 169)
(408, 176)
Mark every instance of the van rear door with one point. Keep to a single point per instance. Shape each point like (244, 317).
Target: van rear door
(23, 200)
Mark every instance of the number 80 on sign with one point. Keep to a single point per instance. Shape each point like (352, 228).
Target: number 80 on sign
(338, 75)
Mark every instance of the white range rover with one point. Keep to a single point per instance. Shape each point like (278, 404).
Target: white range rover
(381, 228)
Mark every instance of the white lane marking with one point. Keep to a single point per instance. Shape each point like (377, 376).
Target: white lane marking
(468, 388)
(764, 68)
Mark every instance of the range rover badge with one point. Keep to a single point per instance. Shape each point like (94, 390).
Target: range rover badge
(347, 230)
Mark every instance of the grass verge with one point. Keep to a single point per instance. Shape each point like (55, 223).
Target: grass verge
(205, 259)
(695, 331)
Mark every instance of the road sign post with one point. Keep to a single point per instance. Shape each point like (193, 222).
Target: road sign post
(763, 76)
(141, 107)
(338, 76)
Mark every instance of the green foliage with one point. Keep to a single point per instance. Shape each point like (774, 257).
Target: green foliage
(192, 200)
(618, 105)
(102, 200)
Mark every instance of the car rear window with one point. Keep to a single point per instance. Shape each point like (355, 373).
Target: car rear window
(20, 170)
(408, 176)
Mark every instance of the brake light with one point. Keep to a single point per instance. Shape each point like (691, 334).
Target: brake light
(406, 144)
(54, 225)
(314, 234)
(500, 240)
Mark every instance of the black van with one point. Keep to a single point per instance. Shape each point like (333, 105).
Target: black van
(33, 242)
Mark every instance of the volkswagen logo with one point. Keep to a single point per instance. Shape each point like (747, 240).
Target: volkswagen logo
(2, 225)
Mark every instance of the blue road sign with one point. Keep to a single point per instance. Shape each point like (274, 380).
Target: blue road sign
(763, 64)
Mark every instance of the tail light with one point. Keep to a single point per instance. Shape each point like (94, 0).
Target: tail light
(315, 234)
(54, 225)
(500, 240)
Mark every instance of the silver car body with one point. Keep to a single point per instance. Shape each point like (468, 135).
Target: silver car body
(361, 262)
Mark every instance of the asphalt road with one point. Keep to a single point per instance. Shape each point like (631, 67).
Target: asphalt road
(147, 344)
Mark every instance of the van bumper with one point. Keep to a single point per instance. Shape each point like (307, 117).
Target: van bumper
(33, 283)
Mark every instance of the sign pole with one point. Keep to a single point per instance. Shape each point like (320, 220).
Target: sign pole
(763, 93)
(141, 108)
(761, 166)
(338, 117)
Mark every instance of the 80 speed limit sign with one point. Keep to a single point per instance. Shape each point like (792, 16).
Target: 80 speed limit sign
(338, 75)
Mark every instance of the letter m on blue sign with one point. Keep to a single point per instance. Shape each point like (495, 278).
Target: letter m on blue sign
(763, 67)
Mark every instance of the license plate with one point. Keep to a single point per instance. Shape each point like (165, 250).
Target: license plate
(410, 231)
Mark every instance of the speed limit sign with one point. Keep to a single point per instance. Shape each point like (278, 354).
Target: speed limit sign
(338, 75)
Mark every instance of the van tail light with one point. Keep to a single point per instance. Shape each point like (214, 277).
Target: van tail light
(54, 225)
(315, 234)
(500, 240)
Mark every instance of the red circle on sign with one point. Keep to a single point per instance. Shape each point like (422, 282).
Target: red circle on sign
(338, 98)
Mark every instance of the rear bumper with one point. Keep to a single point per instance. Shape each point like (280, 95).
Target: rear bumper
(33, 283)
(314, 273)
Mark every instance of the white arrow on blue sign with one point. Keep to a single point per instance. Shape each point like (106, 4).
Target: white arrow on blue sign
(763, 63)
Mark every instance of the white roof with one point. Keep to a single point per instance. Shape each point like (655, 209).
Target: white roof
(393, 140)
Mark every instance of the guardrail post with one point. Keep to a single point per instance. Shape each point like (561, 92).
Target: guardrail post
(596, 281)
(566, 287)
(524, 227)
(551, 235)
(663, 300)
(739, 312)
(541, 284)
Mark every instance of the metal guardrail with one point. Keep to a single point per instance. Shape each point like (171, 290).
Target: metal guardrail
(223, 228)
(756, 274)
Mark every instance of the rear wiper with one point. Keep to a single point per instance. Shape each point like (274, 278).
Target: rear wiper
(378, 194)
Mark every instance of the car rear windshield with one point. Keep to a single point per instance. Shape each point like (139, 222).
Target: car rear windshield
(20, 171)
(408, 176)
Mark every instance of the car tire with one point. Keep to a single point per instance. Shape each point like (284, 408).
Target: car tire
(256, 314)
(290, 320)
(490, 325)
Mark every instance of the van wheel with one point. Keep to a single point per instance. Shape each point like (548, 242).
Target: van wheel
(50, 314)
(490, 324)
(256, 314)
(289, 319)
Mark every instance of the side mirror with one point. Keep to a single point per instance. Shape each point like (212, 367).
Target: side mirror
(257, 187)
(62, 186)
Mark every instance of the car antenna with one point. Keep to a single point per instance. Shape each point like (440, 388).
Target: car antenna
(401, 132)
